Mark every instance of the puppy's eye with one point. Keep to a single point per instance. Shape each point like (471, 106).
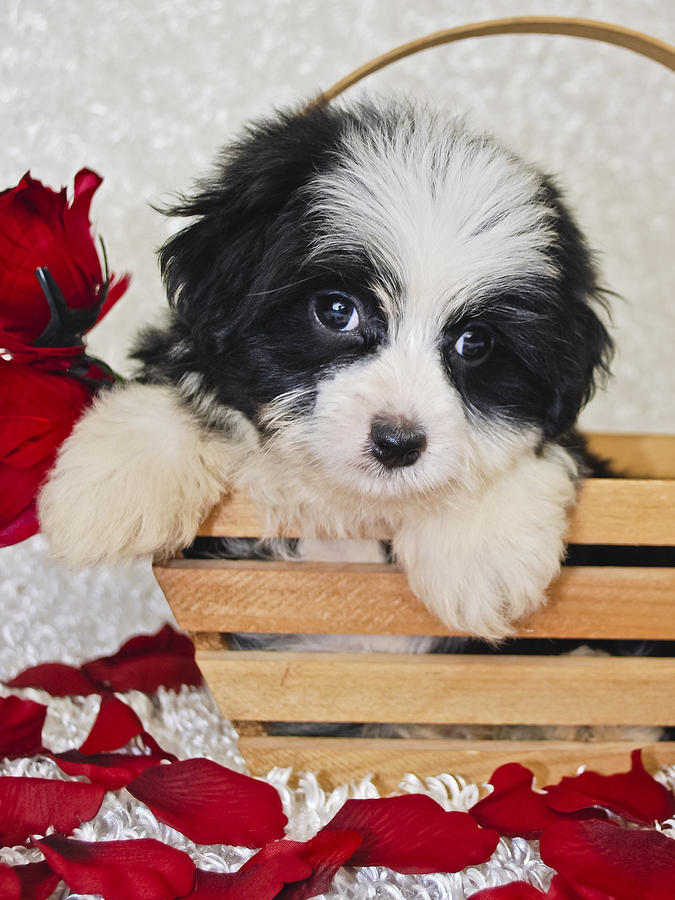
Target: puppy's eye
(474, 344)
(336, 311)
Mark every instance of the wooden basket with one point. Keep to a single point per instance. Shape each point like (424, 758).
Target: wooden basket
(211, 598)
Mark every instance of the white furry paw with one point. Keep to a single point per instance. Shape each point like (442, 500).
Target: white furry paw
(135, 477)
(484, 562)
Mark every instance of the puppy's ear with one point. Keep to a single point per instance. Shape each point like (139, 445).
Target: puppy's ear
(210, 266)
(583, 347)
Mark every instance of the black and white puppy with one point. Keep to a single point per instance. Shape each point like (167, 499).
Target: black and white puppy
(377, 317)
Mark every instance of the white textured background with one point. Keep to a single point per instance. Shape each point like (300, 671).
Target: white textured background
(145, 92)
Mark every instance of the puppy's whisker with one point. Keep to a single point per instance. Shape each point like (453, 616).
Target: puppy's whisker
(283, 287)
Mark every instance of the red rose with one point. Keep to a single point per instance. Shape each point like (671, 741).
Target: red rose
(40, 229)
(37, 413)
(52, 291)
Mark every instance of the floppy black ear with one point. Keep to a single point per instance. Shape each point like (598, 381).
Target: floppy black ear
(209, 266)
(584, 348)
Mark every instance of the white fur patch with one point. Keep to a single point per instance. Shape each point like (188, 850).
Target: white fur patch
(135, 477)
(451, 216)
(485, 560)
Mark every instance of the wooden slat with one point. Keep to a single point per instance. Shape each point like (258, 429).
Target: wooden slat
(314, 598)
(624, 511)
(340, 760)
(610, 511)
(439, 688)
(636, 455)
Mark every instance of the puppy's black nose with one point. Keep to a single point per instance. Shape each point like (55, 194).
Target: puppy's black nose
(396, 445)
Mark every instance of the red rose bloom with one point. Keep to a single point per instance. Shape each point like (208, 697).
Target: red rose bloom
(40, 229)
(52, 291)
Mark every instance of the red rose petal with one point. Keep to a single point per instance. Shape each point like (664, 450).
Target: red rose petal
(37, 881)
(513, 808)
(262, 876)
(58, 400)
(211, 804)
(286, 870)
(112, 770)
(21, 724)
(58, 679)
(263, 884)
(142, 869)
(412, 834)
(115, 725)
(326, 852)
(23, 526)
(148, 661)
(31, 805)
(627, 864)
(634, 795)
(516, 890)
(81, 247)
(118, 287)
(561, 889)
(10, 886)
(522, 890)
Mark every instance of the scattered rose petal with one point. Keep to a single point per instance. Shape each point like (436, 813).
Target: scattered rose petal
(211, 804)
(326, 852)
(516, 890)
(31, 805)
(287, 870)
(626, 864)
(57, 679)
(115, 725)
(412, 834)
(142, 869)
(513, 808)
(21, 724)
(111, 770)
(561, 889)
(148, 661)
(37, 881)
(634, 795)
(10, 886)
(262, 876)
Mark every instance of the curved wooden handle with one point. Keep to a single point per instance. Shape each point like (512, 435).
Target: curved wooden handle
(594, 30)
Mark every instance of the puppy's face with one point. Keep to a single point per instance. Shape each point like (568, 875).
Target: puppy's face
(396, 303)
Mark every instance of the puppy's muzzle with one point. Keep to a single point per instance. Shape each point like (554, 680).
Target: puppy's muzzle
(396, 445)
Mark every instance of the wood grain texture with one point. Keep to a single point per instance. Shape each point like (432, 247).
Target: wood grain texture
(341, 760)
(636, 455)
(316, 598)
(609, 511)
(441, 688)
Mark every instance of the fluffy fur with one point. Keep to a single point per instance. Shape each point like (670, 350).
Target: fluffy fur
(376, 317)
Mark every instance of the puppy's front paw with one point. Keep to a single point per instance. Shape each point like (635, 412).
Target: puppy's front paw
(135, 477)
(484, 562)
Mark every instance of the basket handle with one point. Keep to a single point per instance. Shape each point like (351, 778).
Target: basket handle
(594, 30)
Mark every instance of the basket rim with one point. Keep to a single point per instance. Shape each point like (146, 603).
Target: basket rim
(592, 29)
